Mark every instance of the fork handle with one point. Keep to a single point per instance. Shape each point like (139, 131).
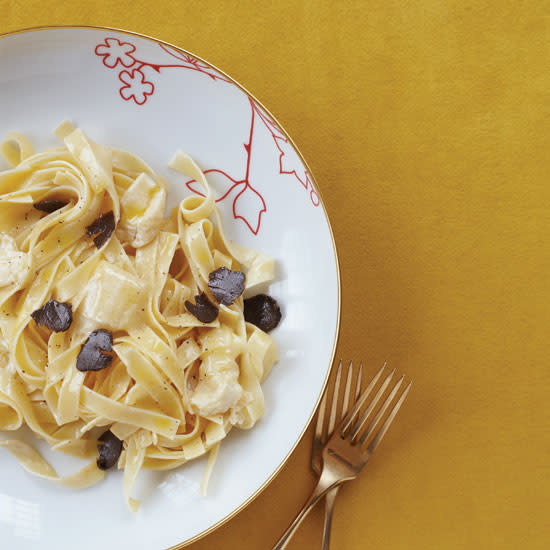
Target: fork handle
(325, 484)
(330, 497)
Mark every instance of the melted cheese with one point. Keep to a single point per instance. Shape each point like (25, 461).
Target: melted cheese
(218, 389)
(142, 211)
(14, 264)
(112, 298)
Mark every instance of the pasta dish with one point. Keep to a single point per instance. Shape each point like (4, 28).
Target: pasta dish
(125, 337)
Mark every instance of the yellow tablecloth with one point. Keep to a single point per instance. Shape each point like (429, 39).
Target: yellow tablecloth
(427, 125)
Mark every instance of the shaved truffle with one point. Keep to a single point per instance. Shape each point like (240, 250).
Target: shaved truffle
(50, 205)
(54, 315)
(226, 285)
(263, 311)
(109, 447)
(102, 229)
(96, 354)
(203, 310)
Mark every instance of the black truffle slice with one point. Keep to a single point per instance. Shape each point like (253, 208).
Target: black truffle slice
(226, 285)
(54, 315)
(263, 311)
(109, 447)
(204, 311)
(96, 354)
(102, 229)
(50, 205)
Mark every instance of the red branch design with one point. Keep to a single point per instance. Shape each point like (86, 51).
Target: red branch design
(248, 204)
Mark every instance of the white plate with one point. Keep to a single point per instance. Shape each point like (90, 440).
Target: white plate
(149, 98)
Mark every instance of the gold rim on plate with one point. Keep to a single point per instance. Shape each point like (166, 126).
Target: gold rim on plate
(262, 488)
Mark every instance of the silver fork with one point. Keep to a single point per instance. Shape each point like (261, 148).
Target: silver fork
(350, 446)
(323, 431)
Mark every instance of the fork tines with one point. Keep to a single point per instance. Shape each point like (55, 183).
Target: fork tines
(374, 412)
(353, 425)
(325, 428)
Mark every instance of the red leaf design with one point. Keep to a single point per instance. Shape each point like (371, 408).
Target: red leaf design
(249, 206)
(289, 162)
(220, 180)
(315, 200)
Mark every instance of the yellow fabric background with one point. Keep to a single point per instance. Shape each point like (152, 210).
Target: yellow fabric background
(427, 127)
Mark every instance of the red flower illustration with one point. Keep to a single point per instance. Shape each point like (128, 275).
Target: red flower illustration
(137, 88)
(114, 52)
(247, 202)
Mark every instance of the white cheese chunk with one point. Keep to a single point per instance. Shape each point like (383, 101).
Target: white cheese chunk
(14, 264)
(142, 211)
(218, 389)
(112, 297)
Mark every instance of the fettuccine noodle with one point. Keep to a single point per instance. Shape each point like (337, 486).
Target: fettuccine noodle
(176, 385)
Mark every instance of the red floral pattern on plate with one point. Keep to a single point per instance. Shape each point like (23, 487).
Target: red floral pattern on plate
(136, 87)
(248, 205)
(113, 52)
